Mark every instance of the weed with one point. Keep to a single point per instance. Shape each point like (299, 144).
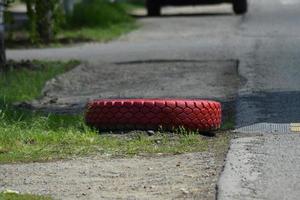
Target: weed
(23, 197)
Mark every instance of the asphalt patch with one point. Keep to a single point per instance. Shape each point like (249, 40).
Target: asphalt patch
(267, 112)
(68, 93)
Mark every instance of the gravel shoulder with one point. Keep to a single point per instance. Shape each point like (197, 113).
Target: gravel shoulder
(186, 176)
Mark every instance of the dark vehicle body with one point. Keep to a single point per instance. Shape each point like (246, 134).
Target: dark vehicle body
(192, 2)
(154, 6)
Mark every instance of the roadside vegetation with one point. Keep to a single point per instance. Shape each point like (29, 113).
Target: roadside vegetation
(91, 20)
(7, 196)
(27, 136)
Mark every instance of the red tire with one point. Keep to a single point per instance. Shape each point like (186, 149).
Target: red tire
(116, 114)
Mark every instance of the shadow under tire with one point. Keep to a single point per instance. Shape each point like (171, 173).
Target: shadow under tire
(240, 7)
(153, 8)
(145, 114)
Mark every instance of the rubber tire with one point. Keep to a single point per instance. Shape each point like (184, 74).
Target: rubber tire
(153, 8)
(240, 7)
(145, 114)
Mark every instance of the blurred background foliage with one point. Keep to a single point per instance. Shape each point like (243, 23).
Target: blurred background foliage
(93, 13)
(49, 19)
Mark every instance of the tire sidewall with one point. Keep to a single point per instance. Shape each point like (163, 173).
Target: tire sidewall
(240, 6)
(153, 7)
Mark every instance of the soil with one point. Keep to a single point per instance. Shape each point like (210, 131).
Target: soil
(185, 176)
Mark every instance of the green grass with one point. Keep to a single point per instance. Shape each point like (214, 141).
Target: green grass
(98, 20)
(22, 197)
(25, 82)
(162, 142)
(27, 136)
(98, 13)
(96, 33)
(135, 3)
(70, 36)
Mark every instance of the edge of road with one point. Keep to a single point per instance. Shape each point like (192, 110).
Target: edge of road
(263, 166)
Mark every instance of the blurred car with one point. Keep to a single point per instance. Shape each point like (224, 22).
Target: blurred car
(240, 7)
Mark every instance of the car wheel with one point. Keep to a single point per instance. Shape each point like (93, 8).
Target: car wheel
(153, 7)
(240, 7)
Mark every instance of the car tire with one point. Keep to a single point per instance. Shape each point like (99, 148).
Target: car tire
(153, 8)
(240, 7)
(145, 114)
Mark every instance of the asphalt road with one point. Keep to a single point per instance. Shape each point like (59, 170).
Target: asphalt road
(265, 43)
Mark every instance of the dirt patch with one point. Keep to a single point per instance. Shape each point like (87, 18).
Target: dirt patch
(186, 176)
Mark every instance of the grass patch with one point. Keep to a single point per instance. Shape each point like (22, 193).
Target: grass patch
(138, 142)
(22, 197)
(27, 136)
(24, 81)
(20, 38)
(95, 33)
(97, 13)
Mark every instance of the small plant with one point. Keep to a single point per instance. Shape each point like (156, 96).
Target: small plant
(183, 131)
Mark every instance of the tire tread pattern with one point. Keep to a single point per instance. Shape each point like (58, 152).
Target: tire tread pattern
(146, 114)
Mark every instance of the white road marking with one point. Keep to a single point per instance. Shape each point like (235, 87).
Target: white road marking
(295, 127)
